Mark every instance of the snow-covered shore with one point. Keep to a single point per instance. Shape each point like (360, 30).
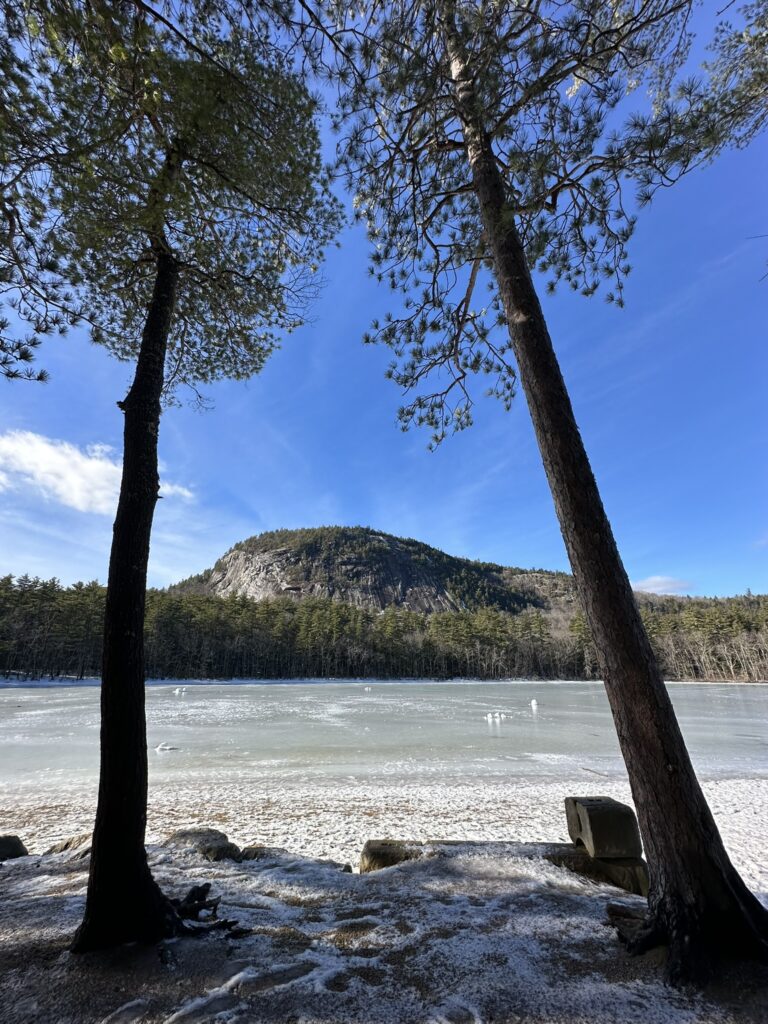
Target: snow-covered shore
(482, 935)
(478, 936)
(335, 819)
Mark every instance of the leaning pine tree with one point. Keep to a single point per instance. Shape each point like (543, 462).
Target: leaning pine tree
(193, 233)
(475, 135)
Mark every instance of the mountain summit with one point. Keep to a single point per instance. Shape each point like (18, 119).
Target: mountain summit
(369, 569)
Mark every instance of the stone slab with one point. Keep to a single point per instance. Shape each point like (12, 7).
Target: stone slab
(627, 873)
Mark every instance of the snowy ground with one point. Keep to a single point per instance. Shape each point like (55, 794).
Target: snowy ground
(483, 936)
(478, 936)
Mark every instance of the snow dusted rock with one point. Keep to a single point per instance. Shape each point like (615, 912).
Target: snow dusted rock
(208, 842)
(80, 843)
(12, 846)
(385, 853)
(603, 826)
(258, 852)
(275, 854)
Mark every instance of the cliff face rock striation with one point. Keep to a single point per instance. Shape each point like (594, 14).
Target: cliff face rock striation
(368, 569)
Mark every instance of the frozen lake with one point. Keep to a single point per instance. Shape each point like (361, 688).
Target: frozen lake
(404, 731)
(322, 766)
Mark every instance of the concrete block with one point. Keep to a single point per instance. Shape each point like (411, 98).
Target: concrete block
(603, 826)
(628, 873)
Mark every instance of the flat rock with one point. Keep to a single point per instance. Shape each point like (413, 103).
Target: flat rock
(603, 826)
(12, 847)
(208, 842)
(385, 853)
(628, 873)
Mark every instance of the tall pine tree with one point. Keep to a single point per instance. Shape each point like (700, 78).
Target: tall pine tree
(190, 225)
(484, 141)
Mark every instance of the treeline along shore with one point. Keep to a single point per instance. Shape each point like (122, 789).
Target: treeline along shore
(51, 631)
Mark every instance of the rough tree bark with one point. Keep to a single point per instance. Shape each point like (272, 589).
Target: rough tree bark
(698, 903)
(124, 902)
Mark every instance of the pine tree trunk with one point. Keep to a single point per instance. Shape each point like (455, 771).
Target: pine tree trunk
(698, 904)
(124, 903)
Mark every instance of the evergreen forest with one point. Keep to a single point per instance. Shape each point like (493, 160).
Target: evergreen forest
(51, 631)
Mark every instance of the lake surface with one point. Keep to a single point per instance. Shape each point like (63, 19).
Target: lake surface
(319, 768)
(327, 731)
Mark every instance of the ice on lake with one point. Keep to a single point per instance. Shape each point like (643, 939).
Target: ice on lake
(532, 731)
(325, 765)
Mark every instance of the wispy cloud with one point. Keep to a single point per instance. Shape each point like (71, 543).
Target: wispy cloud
(661, 585)
(85, 479)
(176, 491)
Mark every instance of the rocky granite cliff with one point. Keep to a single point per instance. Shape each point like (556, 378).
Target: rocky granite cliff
(369, 569)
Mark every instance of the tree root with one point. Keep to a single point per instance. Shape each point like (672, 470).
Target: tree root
(635, 929)
(699, 947)
(171, 922)
(196, 902)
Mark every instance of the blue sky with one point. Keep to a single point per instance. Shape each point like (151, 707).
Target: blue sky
(670, 394)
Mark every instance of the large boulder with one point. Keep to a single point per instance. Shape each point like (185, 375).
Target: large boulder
(603, 826)
(11, 847)
(208, 842)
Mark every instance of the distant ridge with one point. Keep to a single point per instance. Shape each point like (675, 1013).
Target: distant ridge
(369, 569)
(350, 602)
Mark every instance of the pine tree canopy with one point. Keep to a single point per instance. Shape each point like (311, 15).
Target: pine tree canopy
(201, 143)
(585, 121)
(738, 75)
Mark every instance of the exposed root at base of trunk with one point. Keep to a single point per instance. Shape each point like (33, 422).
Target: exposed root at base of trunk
(147, 918)
(196, 902)
(635, 929)
(162, 918)
(699, 946)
